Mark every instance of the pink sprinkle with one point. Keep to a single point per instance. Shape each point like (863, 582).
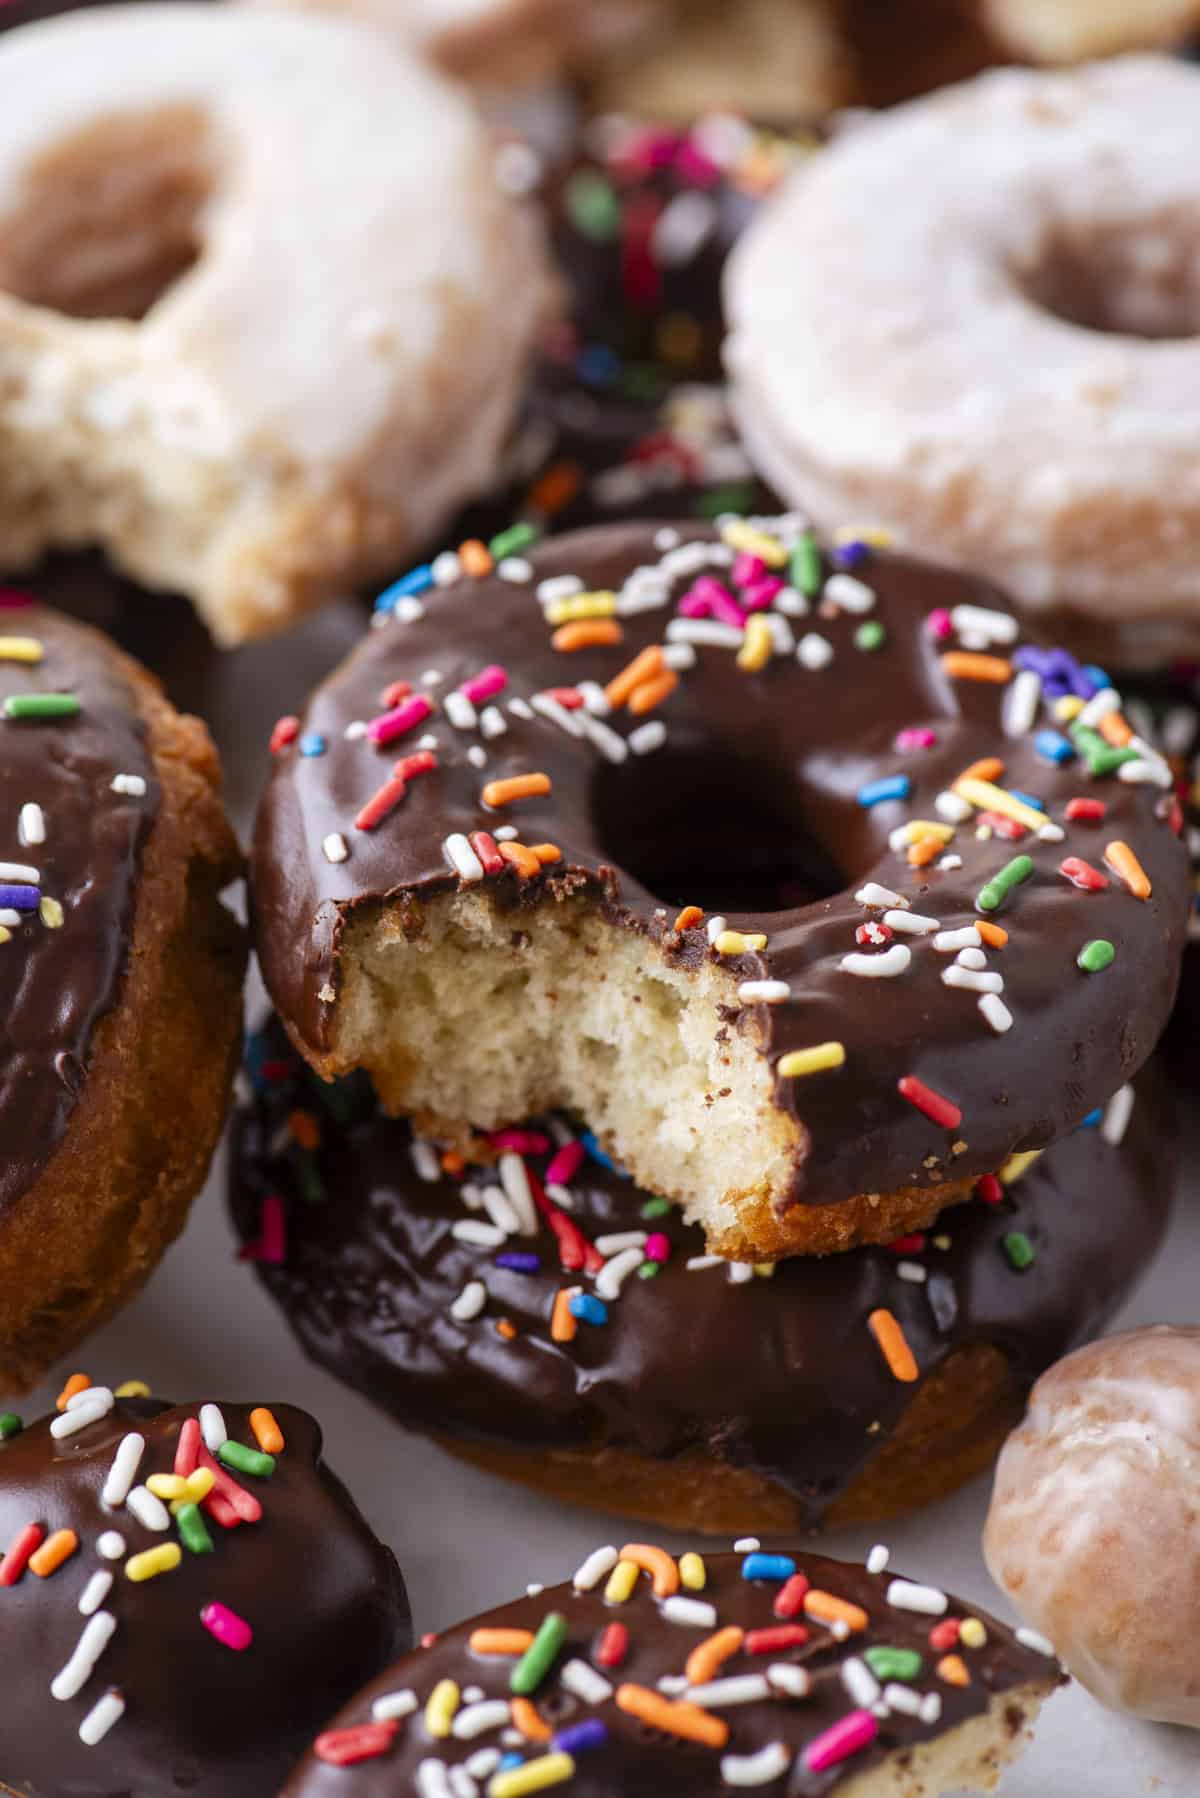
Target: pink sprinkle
(405, 717)
(721, 602)
(759, 594)
(569, 698)
(646, 150)
(747, 569)
(694, 605)
(486, 684)
(230, 1630)
(522, 1142)
(272, 1223)
(658, 1247)
(13, 600)
(939, 623)
(840, 1741)
(565, 1164)
(694, 166)
(917, 737)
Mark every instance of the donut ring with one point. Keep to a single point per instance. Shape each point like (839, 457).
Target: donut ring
(1035, 223)
(290, 411)
(802, 1114)
(703, 1400)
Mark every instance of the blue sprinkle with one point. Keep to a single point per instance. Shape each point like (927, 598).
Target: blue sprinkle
(589, 1309)
(851, 555)
(598, 364)
(1052, 746)
(20, 898)
(593, 1148)
(417, 580)
(518, 1263)
(892, 786)
(1097, 676)
(1039, 805)
(1092, 1120)
(773, 1567)
(313, 743)
(582, 1738)
(510, 1760)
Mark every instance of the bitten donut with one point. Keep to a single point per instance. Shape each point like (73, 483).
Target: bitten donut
(123, 1019)
(647, 1674)
(244, 387)
(1092, 1526)
(195, 1648)
(1035, 224)
(547, 1318)
(808, 885)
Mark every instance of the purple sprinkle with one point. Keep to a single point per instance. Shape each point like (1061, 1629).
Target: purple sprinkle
(518, 1263)
(582, 1737)
(852, 554)
(20, 898)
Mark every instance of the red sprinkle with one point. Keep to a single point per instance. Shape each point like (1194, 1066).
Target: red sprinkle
(422, 761)
(569, 698)
(394, 693)
(428, 1639)
(22, 1546)
(385, 800)
(286, 731)
(574, 1249)
(989, 1189)
(873, 935)
(937, 1109)
(944, 1635)
(346, 1747)
(613, 1645)
(485, 847)
(1085, 811)
(774, 1641)
(1082, 874)
(1000, 826)
(187, 1448)
(789, 1600)
(233, 1498)
(907, 1245)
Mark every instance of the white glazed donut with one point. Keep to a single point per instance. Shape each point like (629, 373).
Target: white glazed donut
(974, 319)
(264, 313)
(1094, 1527)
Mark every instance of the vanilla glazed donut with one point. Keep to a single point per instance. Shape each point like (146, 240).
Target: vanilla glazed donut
(244, 387)
(1014, 391)
(692, 1392)
(473, 851)
(646, 1674)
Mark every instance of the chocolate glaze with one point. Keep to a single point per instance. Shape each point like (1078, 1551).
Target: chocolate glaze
(780, 1375)
(639, 1762)
(754, 767)
(324, 1598)
(61, 982)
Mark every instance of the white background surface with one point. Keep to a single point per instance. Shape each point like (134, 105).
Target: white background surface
(204, 1329)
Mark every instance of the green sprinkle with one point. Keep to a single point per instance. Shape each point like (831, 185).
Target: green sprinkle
(517, 536)
(538, 1658)
(648, 1270)
(893, 1663)
(41, 705)
(593, 206)
(992, 896)
(1095, 956)
(738, 499)
(1020, 1250)
(870, 635)
(1102, 758)
(192, 1531)
(246, 1460)
(10, 1425)
(656, 1207)
(806, 570)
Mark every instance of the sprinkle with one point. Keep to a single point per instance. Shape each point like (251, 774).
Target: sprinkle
(74, 1420)
(893, 1345)
(776, 1640)
(768, 1567)
(192, 1531)
(20, 1550)
(592, 1571)
(657, 1563)
(734, 942)
(123, 1471)
(805, 569)
(588, 1309)
(153, 1561)
(613, 1644)
(246, 1460)
(31, 827)
(53, 1552)
(764, 992)
(681, 1719)
(953, 1669)
(893, 961)
(994, 935)
(1126, 866)
(963, 665)
(996, 1013)
(986, 796)
(94, 1593)
(106, 1712)
(992, 895)
(791, 1681)
(814, 652)
(1096, 955)
(521, 786)
(831, 1610)
(937, 1109)
(692, 1613)
(526, 1718)
(227, 1627)
(757, 648)
(970, 979)
(894, 1663)
(870, 636)
(97, 1633)
(952, 808)
(362, 1742)
(77, 1384)
(840, 1741)
(973, 1633)
(878, 1558)
(212, 1428)
(470, 1302)
(111, 1545)
(1031, 1638)
(874, 894)
(1085, 811)
(1019, 1249)
(877, 792)
(534, 1776)
(906, 1595)
(740, 535)
(476, 1719)
(149, 1511)
(910, 923)
(267, 1432)
(1016, 1165)
(1117, 1114)
(10, 1425)
(949, 942)
(707, 1657)
(860, 1683)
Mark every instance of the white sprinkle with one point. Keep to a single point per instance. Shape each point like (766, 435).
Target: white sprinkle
(97, 1633)
(694, 1613)
(714, 927)
(744, 1688)
(793, 1682)
(1178, 730)
(839, 1629)
(667, 538)
(492, 721)
(621, 1239)
(1100, 705)
(707, 631)
(612, 747)
(479, 1235)
(996, 1012)
(472, 1694)
(407, 610)
(432, 677)
(593, 1570)
(860, 1682)
(531, 1591)
(971, 956)
(446, 569)
(848, 594)
(90, 1395)
(648, 737)
(950, 807)
(504, 833)
(949, 942)
(501, 1210)
(95, 1592)
(791, 603)
(1145, 773)
(394, 1704)
(355, 730)
(740, 1273)
(462, 858)
(428, 741)
(212, 1428)
(100, 1719)
(893, 961)
(931, 1709)
(679, 656)
(912, 1271)
(20, 873)
(912, 922)
(32, 826)
(470, 1302)
(150, 1512)
(425, 1161)
(433, 1779)
(72, 1421)
(460, 711)
(334, 847)
(123, 1471)
(697, 1263)
(515, 1182)
(1031, 1638)
(764, 992)
(561, 1195)
(556, 713)
(814, 651)
(905, 1595)
(595, 699)
(783, 638)
(949, 862)
(472, 1721)
(614, 1273)
(582, 1681)
(558, 586)
(1053, 833)
(1021, 703)
(515, 569)
(673, 1684)
(874, 894)
(1117, 1114)
(981, 621)
(519, 709)
(682, 228)
(483, 1763)
(747, 1545)
(132, 785)
(111, 1545)
(972, 981)
(11, 919)
(903, 1699)
(878, 1558)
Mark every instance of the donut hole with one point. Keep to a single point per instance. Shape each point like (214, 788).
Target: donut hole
(1137, 278)
(110, 218)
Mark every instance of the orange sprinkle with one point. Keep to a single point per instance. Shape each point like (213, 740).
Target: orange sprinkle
(893, 1345)
(546, 852)
(586, 633)
(691, 914)
(452, 1162)
(994, 935)
(562, 1324)
(304, 1129)
(657, 1563)
(519, 786)
(556, 488)
(475, 557)
(953, 1669)
(1115, 730)
(924, 850)
(531, 1725)
(54, 1551)
(674, 1719)
(827, 1608)
(990, 768)
(643, 667)
(1124, 862)
(649, 693)
(500, 1641)
(267, 1432)
(506, 1327)
(704, 1660)
(393, 693)
(522, 859)
(962, 664)
(78, 1382)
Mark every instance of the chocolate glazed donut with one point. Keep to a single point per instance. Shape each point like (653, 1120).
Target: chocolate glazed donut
(491, 924)
(701, 1401)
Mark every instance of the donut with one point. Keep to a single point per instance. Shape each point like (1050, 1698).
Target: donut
(156, 1654)
(124, 979)
(249, 412)
(1030, 222)
(552, 837)
(691, 1392)
(1091, 1531)
(647, 1673)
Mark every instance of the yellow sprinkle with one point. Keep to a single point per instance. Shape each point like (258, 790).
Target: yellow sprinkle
(757, 644)
(5, 934)
(621, 1582)
(132, 1389)
(535, 1776)
(877, 535)
(740, 535)
(972, 1634)
(732, 942)
(152, 1561)
(50, 912)
(917, 828)
(167, 1485)
(1016, 1165)
(176, 1489)
(989, 798)
(811, 1061)
(20, 649)
(581, 605)
(1069, 706)
(692, 1572)
(439, 1711)
(765, 1269)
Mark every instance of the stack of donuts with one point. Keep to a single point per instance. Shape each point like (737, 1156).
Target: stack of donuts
(719, 852)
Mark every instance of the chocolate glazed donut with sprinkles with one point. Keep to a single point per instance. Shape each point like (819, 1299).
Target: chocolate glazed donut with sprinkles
(762, 856)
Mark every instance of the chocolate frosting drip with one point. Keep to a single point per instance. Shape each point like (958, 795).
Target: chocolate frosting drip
(62, 981)
(323, 1596)
(780, 1374)
(637, 1761)
(755, 770)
